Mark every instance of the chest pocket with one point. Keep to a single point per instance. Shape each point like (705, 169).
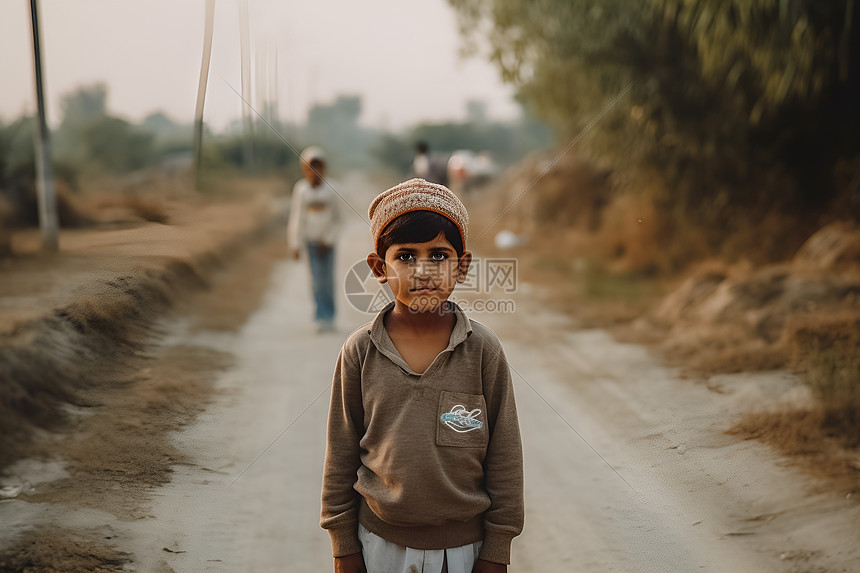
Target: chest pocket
(461, 420)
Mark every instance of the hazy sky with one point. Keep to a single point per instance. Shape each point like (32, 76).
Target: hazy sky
(402, 56)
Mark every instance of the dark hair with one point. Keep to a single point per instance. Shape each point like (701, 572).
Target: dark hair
(419, 227)
(421, 147)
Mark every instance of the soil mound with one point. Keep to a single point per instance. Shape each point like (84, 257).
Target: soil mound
(834, 247)
(95, 340)
(76, 322)
(53, 549)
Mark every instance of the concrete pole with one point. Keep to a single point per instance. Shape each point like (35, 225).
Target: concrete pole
(245, 51)
(276, 108)
(44, 172)
(201, 89)
(260, 73)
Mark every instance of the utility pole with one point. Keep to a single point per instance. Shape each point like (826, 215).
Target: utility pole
(44, 171)
(276, 116)
(260, 71)
(245, 51)
(201, 89)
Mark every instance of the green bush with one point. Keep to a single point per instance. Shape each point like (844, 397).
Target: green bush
(742, 107)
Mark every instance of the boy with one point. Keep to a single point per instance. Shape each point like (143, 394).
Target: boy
(423, 469)
(314, 224)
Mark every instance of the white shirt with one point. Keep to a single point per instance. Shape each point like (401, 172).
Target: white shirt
(315, 214)
(421, 166)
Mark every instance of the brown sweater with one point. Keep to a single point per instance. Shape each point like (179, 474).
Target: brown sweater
(429, 461)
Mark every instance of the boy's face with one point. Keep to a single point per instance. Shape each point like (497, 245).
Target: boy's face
(313, 171)
(421, 275)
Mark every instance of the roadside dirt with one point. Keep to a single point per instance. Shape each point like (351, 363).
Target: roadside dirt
(87, 398)
(114, 452)
(52, 549)
(76, 321)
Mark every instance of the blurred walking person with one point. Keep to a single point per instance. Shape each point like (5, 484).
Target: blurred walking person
(314, 225)
(429, 166)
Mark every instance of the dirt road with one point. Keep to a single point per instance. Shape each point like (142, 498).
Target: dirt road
(627, 468)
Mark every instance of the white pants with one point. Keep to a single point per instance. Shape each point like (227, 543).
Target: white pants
(381, 556)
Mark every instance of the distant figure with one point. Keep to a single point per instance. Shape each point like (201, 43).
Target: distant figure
(429, 166)
(314, 224)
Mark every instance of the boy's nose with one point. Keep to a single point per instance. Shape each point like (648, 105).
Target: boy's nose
(421, 270)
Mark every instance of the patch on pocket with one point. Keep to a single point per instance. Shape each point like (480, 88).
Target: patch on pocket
(461, 420)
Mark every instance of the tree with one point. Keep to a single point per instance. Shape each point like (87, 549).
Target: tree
(739, 105)
(114, 145)
(335, 127)
(83, 105)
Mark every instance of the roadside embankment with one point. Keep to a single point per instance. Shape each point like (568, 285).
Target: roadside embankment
(802, 315)
(599, 252)
(74, 322)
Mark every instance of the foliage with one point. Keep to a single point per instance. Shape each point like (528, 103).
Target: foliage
(18, 169)
(335, 126)
(84, 104)
(116, 145)
(394, 152)
(504, 141)
(96, 141)
(269, 152)
(16, 146)
(167, 132)
(740, 106)
(507, 142)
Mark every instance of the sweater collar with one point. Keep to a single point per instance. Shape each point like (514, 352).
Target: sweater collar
(462, 330)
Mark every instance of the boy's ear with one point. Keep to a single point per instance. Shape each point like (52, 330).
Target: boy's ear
(377, 266)
(463, 266)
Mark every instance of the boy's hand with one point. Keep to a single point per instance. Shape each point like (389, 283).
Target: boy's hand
(350, 564)
(482, 566)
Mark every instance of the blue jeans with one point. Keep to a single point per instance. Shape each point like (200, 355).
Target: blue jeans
(322, 277)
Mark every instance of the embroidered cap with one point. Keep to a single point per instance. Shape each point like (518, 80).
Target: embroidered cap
(416, 195)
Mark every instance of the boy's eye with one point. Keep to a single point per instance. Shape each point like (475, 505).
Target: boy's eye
(411, 258)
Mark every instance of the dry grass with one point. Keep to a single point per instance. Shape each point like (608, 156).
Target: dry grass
(54, 549)
(127, 209)
(132, 199)
(96, 340)
(822, 438)
(590, 251)
(109, 454)
(826, 351)
(750, 357)
(809, 440)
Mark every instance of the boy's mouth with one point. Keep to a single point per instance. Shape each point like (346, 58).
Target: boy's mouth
(422, 290)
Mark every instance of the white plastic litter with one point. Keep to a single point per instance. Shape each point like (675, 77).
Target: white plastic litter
(508, 240)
